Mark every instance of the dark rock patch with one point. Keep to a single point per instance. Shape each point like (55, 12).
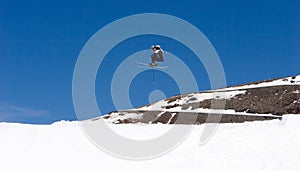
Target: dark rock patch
(276, 100)
(106, 117)
(174, 98)
(173, 120)
(201, 118)
(95, 119)
(192, 99)
(164, 118)
(171, 106)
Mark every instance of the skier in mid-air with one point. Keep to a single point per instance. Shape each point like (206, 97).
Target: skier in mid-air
(157, 56)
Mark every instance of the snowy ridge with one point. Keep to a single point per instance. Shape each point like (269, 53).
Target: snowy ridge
(294, 80)
(263, 100)
(193, 97)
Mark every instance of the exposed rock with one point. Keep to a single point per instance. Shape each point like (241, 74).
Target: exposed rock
(164, 118)
(276, 100)
(246, 104)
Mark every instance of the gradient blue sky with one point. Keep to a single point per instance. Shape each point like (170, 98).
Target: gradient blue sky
(40, 43)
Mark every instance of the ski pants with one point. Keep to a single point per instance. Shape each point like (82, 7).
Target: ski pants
(157, 57)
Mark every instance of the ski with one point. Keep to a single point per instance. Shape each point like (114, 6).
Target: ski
(145, 65)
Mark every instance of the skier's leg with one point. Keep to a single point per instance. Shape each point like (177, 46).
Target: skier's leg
(161, 56)
(153, 59)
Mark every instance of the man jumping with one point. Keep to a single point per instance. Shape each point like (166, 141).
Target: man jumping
(157, 56)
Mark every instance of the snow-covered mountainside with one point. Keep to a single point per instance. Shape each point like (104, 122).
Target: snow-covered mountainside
(270, 145)
(264, 100)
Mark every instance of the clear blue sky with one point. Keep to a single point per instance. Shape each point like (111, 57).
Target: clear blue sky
(40, 43)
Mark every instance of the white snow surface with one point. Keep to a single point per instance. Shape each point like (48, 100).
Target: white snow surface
(199, 96)
(261, 145)
(295, 80)
(116, 116)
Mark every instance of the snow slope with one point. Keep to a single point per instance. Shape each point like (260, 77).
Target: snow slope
(223, 93)
(270, 145)
(293, 80)
(262, 100)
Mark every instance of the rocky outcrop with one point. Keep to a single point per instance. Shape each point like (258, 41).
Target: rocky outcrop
(264, 100)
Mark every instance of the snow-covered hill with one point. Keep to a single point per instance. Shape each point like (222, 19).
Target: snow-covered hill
(264, 100)
(270, 145)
